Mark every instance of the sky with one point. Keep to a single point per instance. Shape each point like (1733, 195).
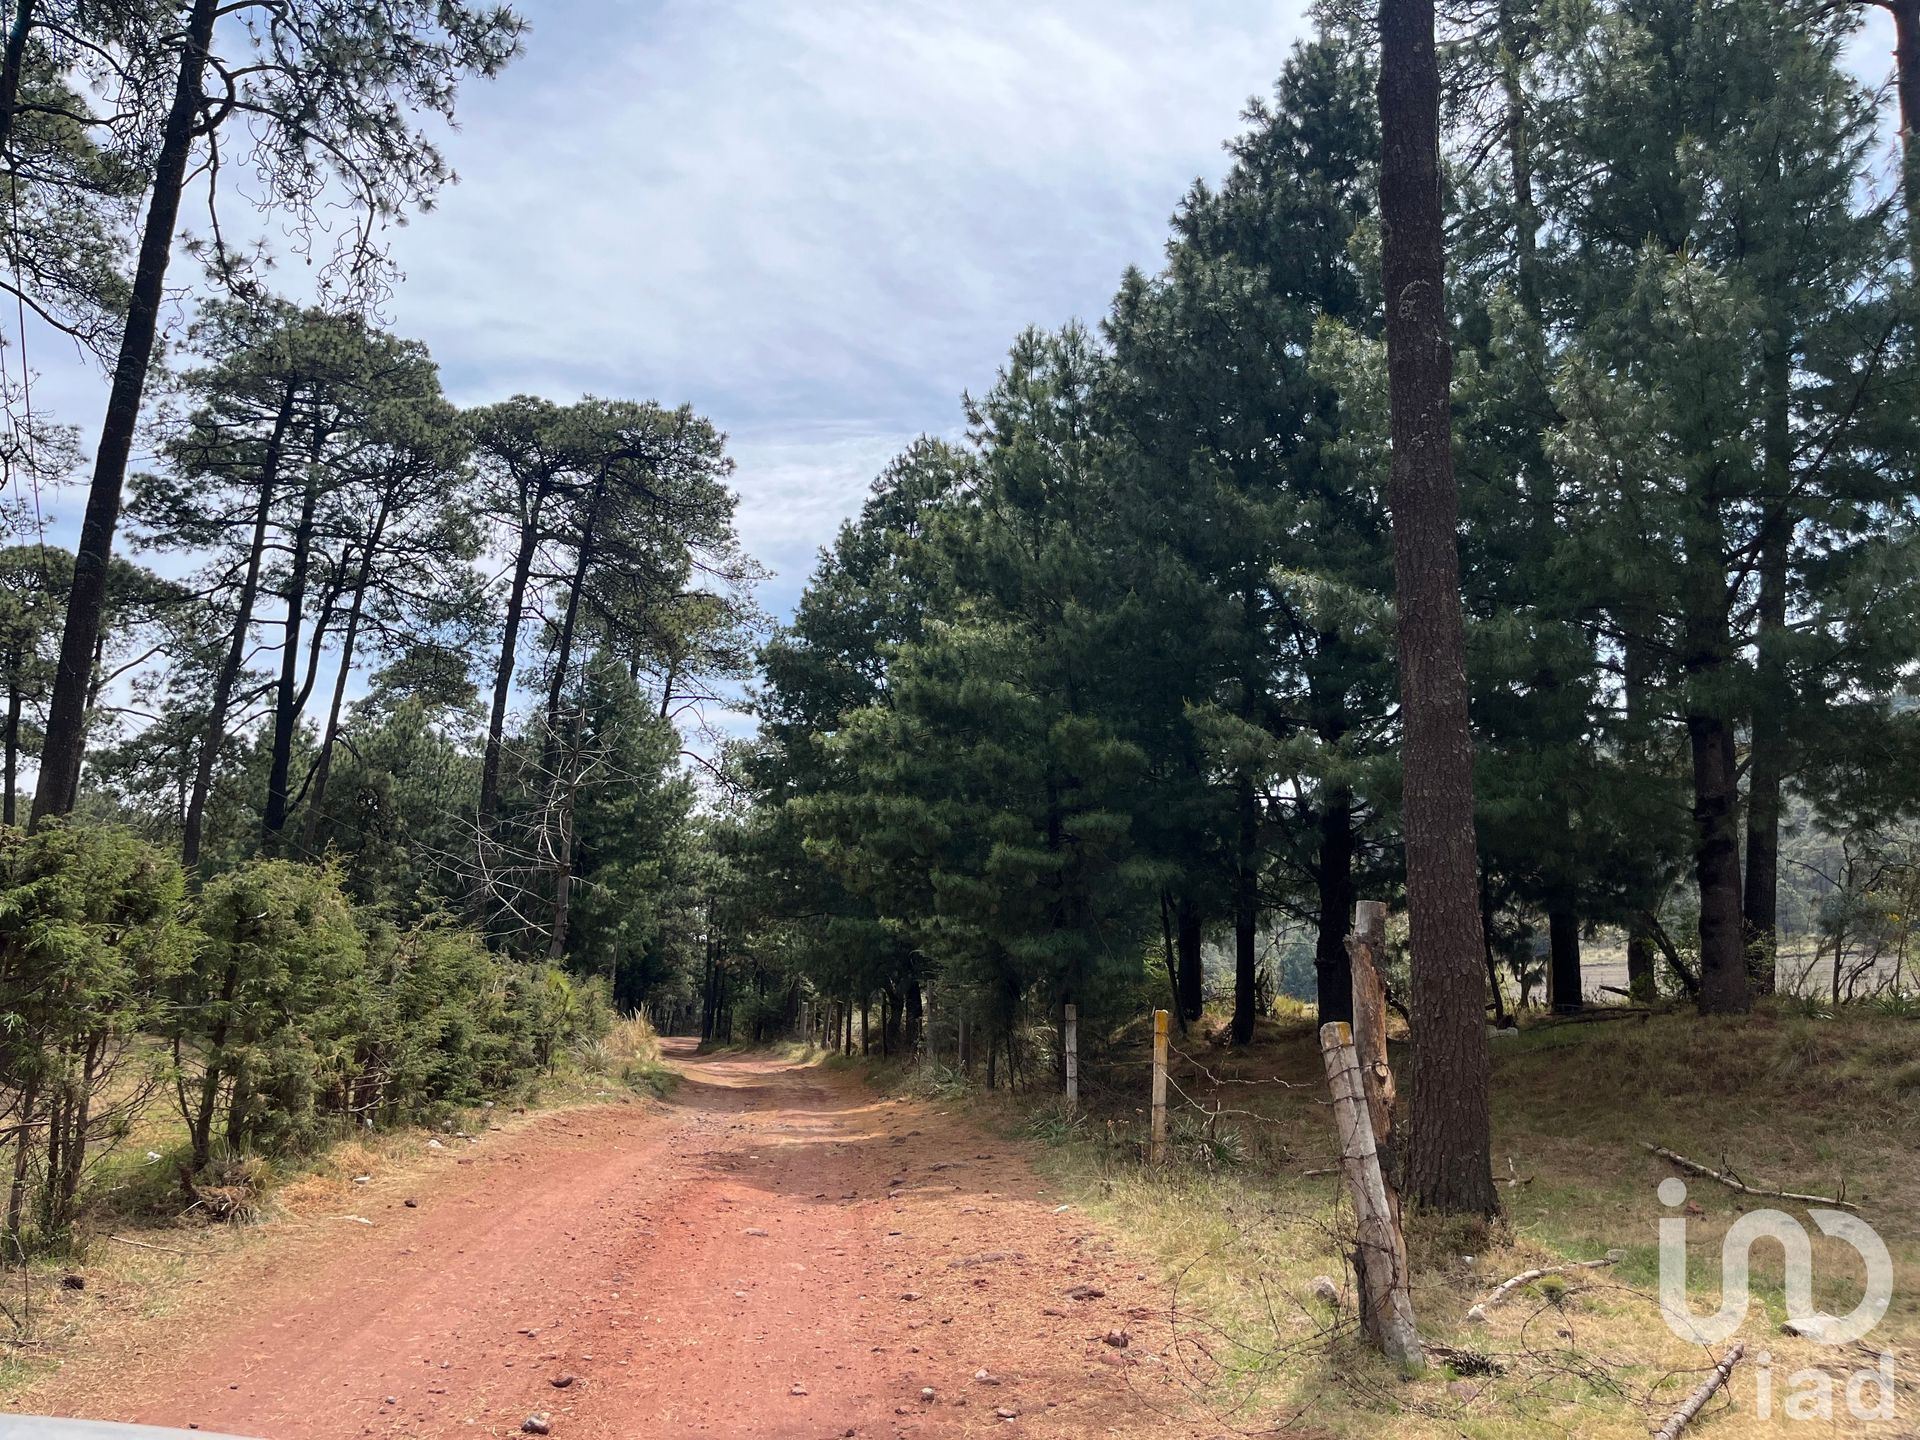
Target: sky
(817, 221)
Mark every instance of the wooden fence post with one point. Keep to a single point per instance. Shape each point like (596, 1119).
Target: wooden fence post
(1386, 1309)
(1073, 1058)
(1157, 1150)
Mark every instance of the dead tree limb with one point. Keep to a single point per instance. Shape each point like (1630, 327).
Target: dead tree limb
(1526, 1277)
(1734, 1182)
(1721, 1374)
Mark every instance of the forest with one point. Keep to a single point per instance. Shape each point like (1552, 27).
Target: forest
(368, 753)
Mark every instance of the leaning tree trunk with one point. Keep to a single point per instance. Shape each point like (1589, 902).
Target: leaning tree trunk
(1451, 1163)
(503, 666)
(286, 709)
(214, 735)
(564, 792)
(323, 763)
(61, 752)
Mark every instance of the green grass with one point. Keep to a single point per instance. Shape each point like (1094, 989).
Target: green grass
(1240, 1232)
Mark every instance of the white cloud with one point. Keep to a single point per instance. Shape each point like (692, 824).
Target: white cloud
(816, 220)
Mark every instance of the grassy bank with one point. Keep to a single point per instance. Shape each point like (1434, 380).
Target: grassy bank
(1246, 1219)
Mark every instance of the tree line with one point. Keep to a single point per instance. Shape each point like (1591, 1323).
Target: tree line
(1116, 671)
(346, 757)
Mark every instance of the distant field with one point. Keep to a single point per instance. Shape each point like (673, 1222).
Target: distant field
(1603, 968)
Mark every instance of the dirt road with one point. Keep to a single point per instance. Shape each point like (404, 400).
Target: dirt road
(774, 1252)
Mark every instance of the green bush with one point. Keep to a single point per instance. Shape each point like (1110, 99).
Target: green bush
(89, 930)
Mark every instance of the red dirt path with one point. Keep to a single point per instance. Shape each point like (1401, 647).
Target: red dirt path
(623, 1245)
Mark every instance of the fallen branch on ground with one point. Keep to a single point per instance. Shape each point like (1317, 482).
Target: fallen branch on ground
(1721, 1374)
(1526, 1277)
(1733, 1182)
(145, 1245)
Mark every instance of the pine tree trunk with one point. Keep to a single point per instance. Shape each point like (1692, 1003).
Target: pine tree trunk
(286, 708)
(65, 743)
(503, 666)
(1766, 761)
(214, 735)
(18, 32)
(323, 763)
(916, 1017)
(1723, 958)
(1906, 61)
(1189, 934)
(1564, 987)
(1640, 982)
(11, 810)
(564, 795)
(1332, 966)
(1451, 1162)
(1246, 915)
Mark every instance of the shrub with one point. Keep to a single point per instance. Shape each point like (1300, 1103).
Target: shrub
(88, 927)
(273, 1007)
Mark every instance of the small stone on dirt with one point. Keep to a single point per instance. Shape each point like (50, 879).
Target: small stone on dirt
(796, 1388)
(389, 1399)
(1118, 1339)
(926, 1392)
(411, 1203)
(1085, 1292)
(1007, 1412)
(986, 1377)
(73, 1282)
(562, 1380)
(539, 1424)
(909, 1294)
(756, 1231)
(1325, 1290)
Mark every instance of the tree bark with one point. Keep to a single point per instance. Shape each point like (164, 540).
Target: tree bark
(61, 754)
(215, 734)
(323, 763)
(18, 32)
(1332, 965)
(1716, 861)
(13, 756)
(286, 707)
(509, 643)
(564, 793)
(1766, 759)
(1451, 1163)
(1189, 934)
(1246, 914)
(1564, 988)
(1906, 64)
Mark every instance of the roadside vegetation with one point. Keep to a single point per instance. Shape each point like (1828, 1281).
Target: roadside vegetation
(1250, 1212)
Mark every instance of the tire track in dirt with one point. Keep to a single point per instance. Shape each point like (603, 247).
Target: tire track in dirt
(775, 1252)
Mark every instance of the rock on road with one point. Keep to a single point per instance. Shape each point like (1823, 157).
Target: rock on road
(773, 1252)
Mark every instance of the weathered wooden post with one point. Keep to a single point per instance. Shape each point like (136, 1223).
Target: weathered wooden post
(1386, 1309)
(1157, 1149)
(1072, 1036)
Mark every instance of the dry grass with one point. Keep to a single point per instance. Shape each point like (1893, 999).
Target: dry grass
(1239, 1228)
